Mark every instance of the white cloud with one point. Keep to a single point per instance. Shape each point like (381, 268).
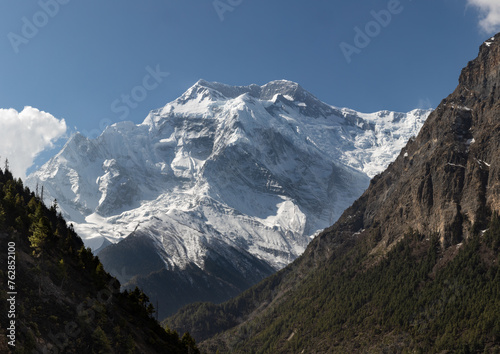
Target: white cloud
(25, 134)
(489, 14)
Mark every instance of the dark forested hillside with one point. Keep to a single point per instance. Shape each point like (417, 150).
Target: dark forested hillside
(411, 300)
(55, 296)
(411, 266)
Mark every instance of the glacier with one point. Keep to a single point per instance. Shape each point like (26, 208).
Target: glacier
(257, 170)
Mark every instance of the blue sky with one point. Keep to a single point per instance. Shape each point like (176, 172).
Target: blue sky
(77, 60)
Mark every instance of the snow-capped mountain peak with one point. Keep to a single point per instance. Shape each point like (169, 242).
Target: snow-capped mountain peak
(251, 169)
(265, 92)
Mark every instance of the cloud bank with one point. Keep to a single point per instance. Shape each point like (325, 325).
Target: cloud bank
(489, 14)
(25, 134)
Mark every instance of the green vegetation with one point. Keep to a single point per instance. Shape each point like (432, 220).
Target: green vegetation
(66, 302)
(418, 298)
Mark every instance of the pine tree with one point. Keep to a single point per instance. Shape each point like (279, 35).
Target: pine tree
(54, 206)
(190, 343)
(100, 341)
(40, 230)
(150, 310)
(2, 217)
(62, 270)
(7, 172)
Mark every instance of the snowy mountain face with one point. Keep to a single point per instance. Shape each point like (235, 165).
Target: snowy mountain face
(254, 170)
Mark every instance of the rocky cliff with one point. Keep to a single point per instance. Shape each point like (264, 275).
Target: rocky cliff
(412, 265)
(221, 187)
(444, 180)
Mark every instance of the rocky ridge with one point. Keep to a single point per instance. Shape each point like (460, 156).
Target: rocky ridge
(229, 182)
(428, 221)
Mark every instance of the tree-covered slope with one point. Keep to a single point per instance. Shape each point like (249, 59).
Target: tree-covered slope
(419, 298)
(411, 266)
(55, 296)
(221, 187)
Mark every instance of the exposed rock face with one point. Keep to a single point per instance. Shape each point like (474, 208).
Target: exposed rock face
(444, 183)
(228, 182)
(444, 178)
